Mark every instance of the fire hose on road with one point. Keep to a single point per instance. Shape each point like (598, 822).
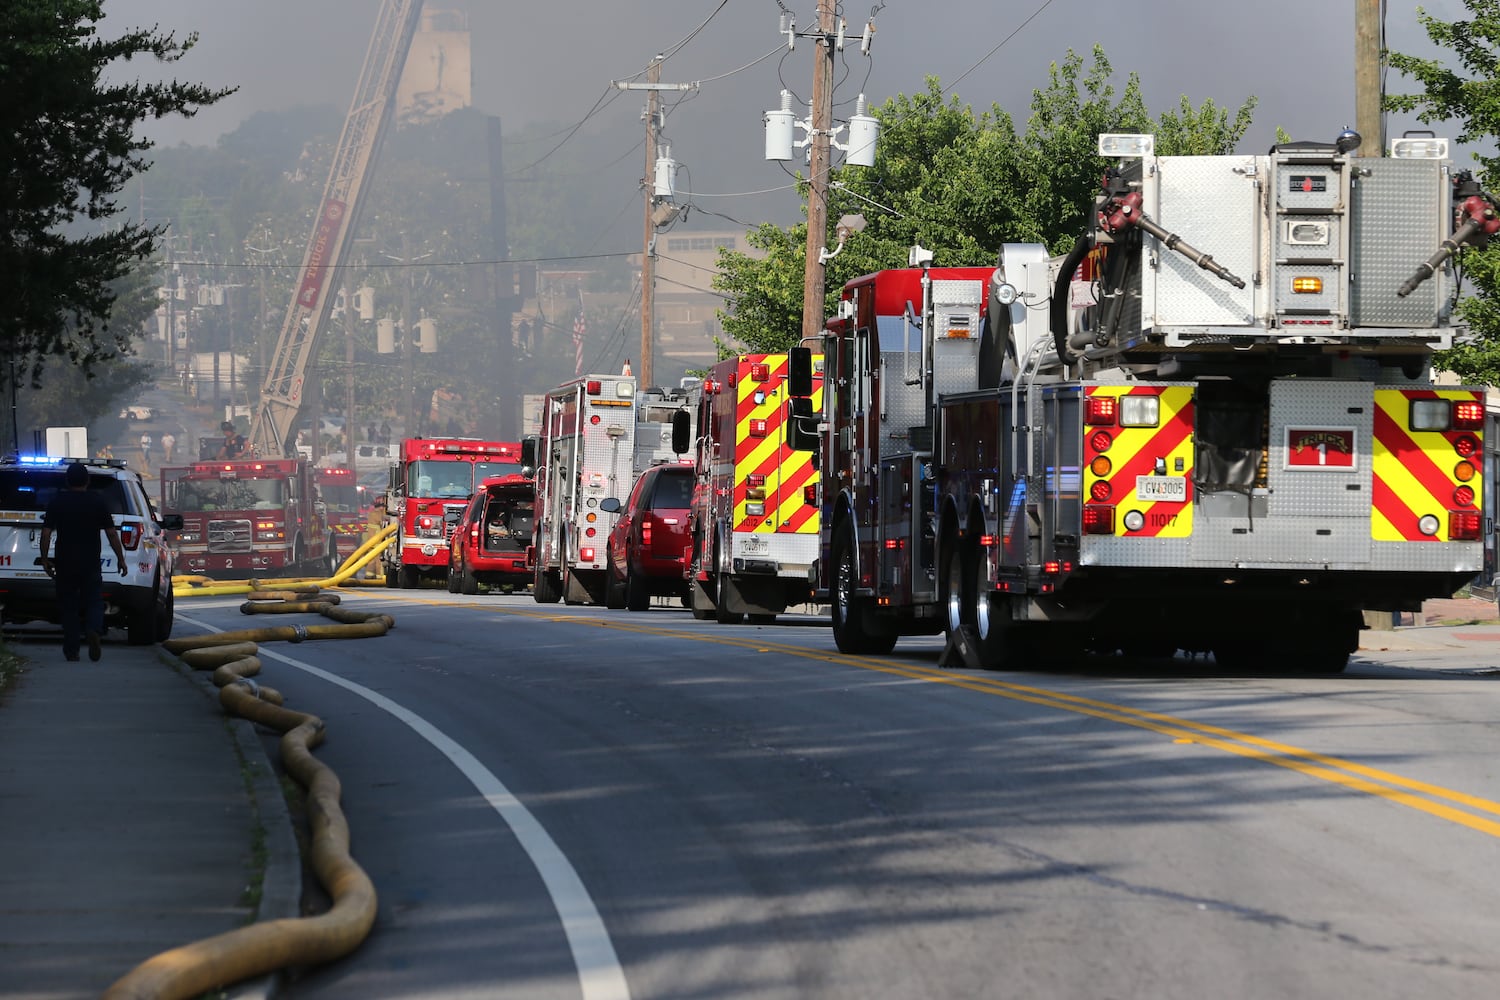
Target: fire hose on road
(343, 576)
(192, 969)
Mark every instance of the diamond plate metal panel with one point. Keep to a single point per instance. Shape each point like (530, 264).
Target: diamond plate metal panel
(1307, 473)
(900, 404)
(1399, 217)
(1212, 203)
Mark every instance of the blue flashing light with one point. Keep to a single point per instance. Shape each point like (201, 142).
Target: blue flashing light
(39, 460)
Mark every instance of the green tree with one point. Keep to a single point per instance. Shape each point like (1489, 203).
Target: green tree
(1468, 96)
(68, 144)
(963, 184)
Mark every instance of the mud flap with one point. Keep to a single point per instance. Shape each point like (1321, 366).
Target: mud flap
(962, 650)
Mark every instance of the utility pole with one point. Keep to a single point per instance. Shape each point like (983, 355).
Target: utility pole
(653, 87)
(1368, 119)
(348, 374)
(817, 198)
(648, 256)
(408, 342)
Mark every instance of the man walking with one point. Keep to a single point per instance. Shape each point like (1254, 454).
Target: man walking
(146, 448)
(168, 443)
(77, 516)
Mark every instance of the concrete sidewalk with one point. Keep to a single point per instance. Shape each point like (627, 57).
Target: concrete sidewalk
(134, 817)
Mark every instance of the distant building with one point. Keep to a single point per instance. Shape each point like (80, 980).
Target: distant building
(439, 75)
(687, 306)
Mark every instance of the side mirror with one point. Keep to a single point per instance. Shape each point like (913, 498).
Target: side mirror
(799, 372)
(682, 431)
(610, 505)
(801, 425)
(528, 451)
(171, 522)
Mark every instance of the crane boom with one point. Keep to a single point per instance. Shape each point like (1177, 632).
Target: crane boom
(271, 432)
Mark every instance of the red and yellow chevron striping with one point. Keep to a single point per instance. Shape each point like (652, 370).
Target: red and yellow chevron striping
(1421, 473)
(1118, 458)
(769, 477)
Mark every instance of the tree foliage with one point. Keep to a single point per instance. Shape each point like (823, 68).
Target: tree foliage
(1470, 97)
(68, 144)
(962, 184)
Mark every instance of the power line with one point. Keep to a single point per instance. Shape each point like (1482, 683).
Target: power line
(997, 48)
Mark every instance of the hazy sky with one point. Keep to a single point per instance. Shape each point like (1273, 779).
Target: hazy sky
(551, 61)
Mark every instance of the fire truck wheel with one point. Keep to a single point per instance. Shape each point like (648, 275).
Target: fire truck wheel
(391, 580)
(851, 620)
(637, 597)
(410, 580)
(997, 636)
(544, 588)
(958, 604)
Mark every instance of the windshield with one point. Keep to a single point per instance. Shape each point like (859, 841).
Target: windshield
(341, 499)
(440, 479)
(483, 470)
(230, 494)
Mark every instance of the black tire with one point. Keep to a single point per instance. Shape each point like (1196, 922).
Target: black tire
(467, 585)
(614, 592)
(410, 578)
(997, 636)
(392, 581)
(954, 575)
(637, 597)
(722, 614)
(166, 614)
(452, 576)
(140, 624)
(299, 558)
(545, 588)
(850, 621)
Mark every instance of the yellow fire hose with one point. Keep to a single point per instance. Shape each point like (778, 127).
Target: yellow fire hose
(202, 586)
(193, 969)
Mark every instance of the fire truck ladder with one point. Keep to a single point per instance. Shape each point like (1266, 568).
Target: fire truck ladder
(307, 315)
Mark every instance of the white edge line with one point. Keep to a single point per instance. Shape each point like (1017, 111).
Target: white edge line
(599, 972)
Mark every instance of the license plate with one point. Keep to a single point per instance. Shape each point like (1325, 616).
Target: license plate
(753, 546)
(1161, 488)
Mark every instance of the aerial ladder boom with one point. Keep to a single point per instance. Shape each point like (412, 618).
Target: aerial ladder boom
(271, 432)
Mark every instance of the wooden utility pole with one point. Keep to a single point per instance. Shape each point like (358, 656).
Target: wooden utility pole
(1368, 119)
(648, 254)
(817, 172)
(653, 87)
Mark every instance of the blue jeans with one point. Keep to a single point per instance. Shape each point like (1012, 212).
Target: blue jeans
(80, 605)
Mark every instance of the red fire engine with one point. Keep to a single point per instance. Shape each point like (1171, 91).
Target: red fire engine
(432, 476)
(260, 516)
(754, 518)
(340, 495)
(1134, 449)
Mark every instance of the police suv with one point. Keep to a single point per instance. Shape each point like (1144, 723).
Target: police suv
(140, 601)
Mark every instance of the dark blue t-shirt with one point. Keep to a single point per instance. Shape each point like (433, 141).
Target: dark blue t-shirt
(76, 519)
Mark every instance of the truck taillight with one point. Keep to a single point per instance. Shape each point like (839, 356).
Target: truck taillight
(760, 372)
(758, 428)
(130, 535)
(593, 387)
(646, 531)
(586, 555)
(810, 494)
(1101, 411)
(1098, 519)
(1463, 525)
(1468, 416)
(755, 479)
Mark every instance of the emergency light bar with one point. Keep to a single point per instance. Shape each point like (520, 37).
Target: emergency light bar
(1124, 145)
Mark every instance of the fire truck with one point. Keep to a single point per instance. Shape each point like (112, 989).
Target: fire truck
(257, 517)
(656, 416)
(585, 454)
(339, 492)
(431, 477)
(754, 517)
(1145, 446)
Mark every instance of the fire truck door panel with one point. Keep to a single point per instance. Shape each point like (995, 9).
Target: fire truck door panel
(1212, 202)
(1396, 206)
(1062, 487)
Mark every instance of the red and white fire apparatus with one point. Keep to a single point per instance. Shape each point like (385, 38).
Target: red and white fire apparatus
(348, 520)
(1146, 446)
(243, 517)
(754, 517)
(431, 477)
(586, 454)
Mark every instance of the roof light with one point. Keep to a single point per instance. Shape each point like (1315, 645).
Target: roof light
(1419, 148)
(1117, 145)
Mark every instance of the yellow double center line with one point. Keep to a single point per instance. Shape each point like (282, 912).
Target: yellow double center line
(1434, 800)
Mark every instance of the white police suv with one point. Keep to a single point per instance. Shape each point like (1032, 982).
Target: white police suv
(140, 602)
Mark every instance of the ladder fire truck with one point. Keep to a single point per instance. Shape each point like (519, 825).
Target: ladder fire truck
(1145, 447)
(431, 477)
(585, 455)
(754, 517)
(271, 429)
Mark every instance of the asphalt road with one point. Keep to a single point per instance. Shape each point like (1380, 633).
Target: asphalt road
(565, 802)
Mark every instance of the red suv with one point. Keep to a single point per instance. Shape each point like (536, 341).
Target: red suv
(490, 536)
(646, 547)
